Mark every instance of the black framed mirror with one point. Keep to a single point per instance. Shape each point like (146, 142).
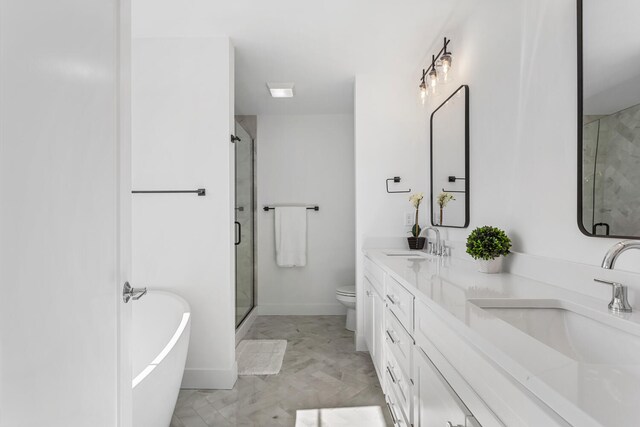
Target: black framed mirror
(609, 118)
(450, 161)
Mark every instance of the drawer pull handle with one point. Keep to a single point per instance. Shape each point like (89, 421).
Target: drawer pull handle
(393, 378)
(392, 300)
(391, 337)
(393, 415)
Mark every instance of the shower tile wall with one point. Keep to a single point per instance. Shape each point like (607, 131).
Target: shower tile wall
(617, 168)
(589, 145)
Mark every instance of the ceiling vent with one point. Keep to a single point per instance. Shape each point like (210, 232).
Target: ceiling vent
(281, 90)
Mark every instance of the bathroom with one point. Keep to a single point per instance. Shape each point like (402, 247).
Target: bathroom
(184, 148)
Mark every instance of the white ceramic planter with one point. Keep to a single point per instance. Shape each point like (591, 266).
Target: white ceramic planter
(491, 266)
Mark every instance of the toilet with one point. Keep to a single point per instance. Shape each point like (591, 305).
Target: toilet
(347, 296)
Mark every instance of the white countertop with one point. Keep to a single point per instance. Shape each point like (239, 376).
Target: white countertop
(584, 394)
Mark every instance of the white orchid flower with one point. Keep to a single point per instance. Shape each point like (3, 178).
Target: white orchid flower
(416, 199)
(444, 198)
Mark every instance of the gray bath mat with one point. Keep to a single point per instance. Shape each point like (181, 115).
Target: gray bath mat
(260, 357)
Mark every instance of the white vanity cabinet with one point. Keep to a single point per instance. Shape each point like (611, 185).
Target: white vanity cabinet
(398, 349)
(368, 315)
(442, 364)
(373, 322)
(374, 314)
(416, 392)
(436, 404)
(378, 329)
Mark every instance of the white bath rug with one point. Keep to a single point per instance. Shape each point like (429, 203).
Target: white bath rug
(260, 357)
(362, 416)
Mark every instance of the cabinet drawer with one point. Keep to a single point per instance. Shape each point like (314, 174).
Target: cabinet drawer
(437, 404)
(398, 382)
(374, 273)
(399, 342)
(400, 302)
(424, 324)
(399, 418)
(431, 331)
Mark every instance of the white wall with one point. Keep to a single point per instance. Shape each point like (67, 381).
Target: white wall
(390, 134)
(306, 159)
(182, 119)
(519, 59)
(523, 125)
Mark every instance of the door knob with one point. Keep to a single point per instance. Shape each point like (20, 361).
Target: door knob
(130, 293)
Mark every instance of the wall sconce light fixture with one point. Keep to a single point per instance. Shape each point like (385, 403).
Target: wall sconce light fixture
(437, 71)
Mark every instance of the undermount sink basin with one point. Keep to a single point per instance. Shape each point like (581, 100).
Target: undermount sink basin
(406, 254)
(582, 334)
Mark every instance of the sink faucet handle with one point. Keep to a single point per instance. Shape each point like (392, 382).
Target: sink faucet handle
(446, 250)
(619, 301)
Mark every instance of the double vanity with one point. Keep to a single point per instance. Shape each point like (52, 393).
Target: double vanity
(454, 347)
(537, 346)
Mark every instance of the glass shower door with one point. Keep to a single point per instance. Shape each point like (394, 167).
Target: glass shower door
(245, 294)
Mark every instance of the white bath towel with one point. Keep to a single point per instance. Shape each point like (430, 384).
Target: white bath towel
(291, 236)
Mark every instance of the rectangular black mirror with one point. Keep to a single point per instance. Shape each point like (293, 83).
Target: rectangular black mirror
(450, 161)
(609, 118)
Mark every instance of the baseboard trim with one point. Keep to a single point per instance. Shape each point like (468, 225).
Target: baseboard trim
(210, 379)
(242, 330)
(301, 310)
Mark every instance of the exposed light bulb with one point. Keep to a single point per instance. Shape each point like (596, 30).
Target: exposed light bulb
(433, 78)
(442, 76)
(423, 92)
(446, 63)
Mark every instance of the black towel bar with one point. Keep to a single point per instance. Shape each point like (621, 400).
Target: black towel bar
(270, 208)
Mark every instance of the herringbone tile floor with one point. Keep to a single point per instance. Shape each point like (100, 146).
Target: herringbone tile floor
(321, 369)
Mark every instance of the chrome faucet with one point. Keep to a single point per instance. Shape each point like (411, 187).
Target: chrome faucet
(616, 250)
(433, 249)
(619, 302)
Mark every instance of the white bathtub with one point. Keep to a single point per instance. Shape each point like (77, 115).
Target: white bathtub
(160, 338)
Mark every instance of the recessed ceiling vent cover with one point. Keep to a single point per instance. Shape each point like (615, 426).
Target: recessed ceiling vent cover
(281, 90)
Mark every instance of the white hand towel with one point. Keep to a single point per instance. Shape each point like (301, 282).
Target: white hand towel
(291, 236)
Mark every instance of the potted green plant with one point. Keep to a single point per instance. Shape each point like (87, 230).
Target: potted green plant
(415, 241)
(488, 246)
(442, 200)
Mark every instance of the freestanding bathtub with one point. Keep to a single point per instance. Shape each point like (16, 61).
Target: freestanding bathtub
(160, 335)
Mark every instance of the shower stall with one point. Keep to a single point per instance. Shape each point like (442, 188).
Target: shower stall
(245, 216)
(611, 169)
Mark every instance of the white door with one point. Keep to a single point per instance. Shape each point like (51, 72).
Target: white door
(64, 214)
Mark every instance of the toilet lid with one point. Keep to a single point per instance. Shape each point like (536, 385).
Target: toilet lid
(349, 291)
